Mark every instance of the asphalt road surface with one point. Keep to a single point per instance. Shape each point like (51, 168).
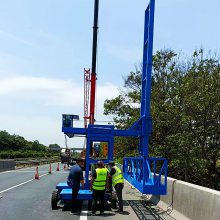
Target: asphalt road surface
(24, 198)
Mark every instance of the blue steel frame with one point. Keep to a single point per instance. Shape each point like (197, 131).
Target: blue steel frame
(148, 175)
(138, 171)
(146, 78)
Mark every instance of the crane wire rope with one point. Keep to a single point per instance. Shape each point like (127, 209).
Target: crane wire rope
(170, 206)
(169, 209)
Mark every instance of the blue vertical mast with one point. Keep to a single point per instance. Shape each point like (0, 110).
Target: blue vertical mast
(146, 79)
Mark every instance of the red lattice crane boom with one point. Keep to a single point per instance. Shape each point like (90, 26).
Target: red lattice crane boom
(87, 81)
(90, 77)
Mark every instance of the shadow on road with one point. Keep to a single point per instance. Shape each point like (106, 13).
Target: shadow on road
(67, 205)
(146, 210)
(104, 215)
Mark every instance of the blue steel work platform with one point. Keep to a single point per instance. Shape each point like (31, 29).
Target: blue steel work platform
(84, 194)
(63, 185)
(148, 175)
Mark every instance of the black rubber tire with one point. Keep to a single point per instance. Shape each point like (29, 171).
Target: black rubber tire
(54, 200)
(114, 200)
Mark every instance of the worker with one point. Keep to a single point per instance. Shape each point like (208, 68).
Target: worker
(98, 185)
(116, 176)
(74, 179)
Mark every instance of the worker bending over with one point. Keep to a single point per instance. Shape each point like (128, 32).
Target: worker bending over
(98, 185)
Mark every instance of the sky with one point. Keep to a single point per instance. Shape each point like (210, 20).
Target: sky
(46, 44)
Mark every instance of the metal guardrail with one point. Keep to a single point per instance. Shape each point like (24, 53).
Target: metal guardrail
(24, 162)
(7, 165)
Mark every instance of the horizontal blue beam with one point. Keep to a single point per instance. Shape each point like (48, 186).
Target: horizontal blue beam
(127, 133)
(62, 185)
(84, 131)
(147, 158)
(77, 131)
(84, 194)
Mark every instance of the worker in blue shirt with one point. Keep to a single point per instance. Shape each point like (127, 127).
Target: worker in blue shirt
(74, 179)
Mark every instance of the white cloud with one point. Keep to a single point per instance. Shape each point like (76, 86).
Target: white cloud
(106, 91)
(52, 93)
(8, 85)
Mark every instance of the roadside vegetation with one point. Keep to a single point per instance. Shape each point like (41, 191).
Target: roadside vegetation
(15, 146)
(185, 107)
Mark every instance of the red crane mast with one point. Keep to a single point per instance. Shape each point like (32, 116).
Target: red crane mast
(87, 81)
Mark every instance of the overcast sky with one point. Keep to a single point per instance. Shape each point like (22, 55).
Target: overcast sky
(46, 44)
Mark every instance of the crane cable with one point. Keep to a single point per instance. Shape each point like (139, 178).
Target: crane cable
(146, 198)
(170, 206)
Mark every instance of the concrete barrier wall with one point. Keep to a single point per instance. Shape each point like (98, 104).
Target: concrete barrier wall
(7, 165)
(190, 201)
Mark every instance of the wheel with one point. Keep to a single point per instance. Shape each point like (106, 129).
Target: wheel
(54, 199)
(114, 200)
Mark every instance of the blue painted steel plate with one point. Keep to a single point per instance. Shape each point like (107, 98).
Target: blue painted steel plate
(63, 185)
(84, 194)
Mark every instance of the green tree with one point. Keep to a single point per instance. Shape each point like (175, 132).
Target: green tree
(125, 109)
(5, 140)
(185, 107)
(54, 146)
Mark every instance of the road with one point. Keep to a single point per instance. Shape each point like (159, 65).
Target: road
(24, 198)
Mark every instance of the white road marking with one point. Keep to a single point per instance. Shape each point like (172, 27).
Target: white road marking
(84, 211)
(21, 184)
